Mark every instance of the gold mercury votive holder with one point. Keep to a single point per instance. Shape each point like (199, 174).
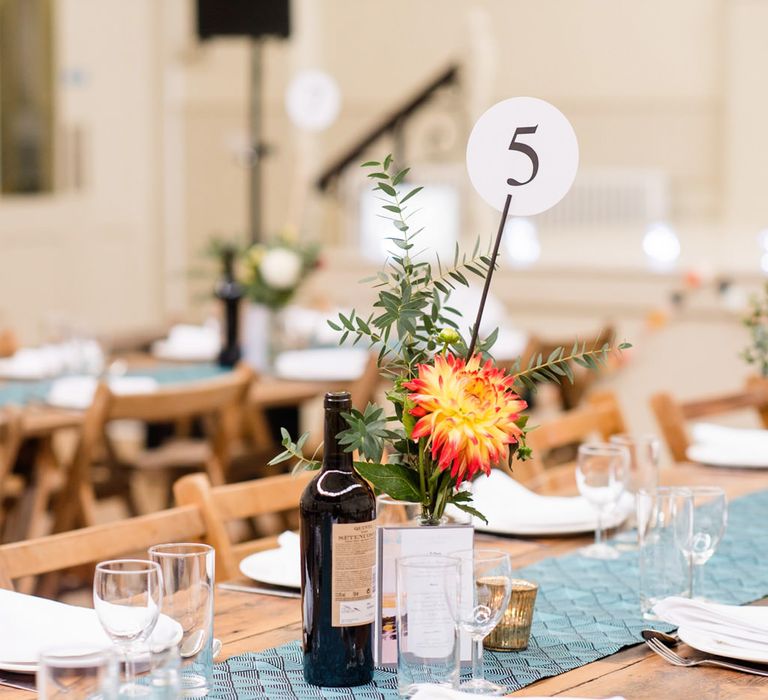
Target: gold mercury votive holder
(514, 629)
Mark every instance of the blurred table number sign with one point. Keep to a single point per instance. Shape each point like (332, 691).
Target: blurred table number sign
(395, 542)
(522, 156)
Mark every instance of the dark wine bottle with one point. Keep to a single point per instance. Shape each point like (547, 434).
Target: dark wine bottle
(230, 291)
(338, 563)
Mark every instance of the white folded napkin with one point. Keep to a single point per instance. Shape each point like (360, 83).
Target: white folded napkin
(77, 391)
(327, 364)
(437, 692)
(80, 355)
(30, 624)
(738, 625)
(509, 506)
(724, 446)
(711, 433)
(189, 342)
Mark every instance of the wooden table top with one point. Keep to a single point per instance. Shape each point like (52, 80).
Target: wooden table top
(252, 622)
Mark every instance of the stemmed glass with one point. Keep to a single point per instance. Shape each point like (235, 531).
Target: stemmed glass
(710, 517)
(479, 607)
(601, 477)
(127, 596)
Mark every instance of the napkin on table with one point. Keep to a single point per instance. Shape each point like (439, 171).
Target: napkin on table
(737, 625)
(188, 341)
(77, 391)
(28, 624)
(711, 433)
(436, 692)
(328, 364)
(508, 504)
(719, 444)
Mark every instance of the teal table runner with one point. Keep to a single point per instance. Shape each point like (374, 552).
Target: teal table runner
(22, 393)
(586, 610)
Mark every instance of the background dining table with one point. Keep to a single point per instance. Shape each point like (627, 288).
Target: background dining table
(254, 622)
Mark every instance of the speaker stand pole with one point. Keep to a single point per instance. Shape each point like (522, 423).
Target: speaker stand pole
(257, 148)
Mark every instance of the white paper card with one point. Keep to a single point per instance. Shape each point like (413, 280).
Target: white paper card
(428, 615)
(526, 148)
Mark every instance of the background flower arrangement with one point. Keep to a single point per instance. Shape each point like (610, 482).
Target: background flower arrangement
(757, 324)
(272, 272)
(455, 413)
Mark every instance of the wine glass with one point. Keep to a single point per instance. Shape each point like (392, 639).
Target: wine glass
(127, 596)
(710, 517)
(601, 477)
(644, 451)
(483, 596)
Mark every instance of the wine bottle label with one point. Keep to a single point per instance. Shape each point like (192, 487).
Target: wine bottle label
(353, 559)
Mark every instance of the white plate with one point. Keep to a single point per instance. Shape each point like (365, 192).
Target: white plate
(725, 456)
(277, 567)
(549, 530)
(711, 645)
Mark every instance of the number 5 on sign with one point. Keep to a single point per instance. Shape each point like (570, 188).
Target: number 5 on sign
(526, 148)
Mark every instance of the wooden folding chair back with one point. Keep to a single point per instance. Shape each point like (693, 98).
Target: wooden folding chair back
(672, 414)
(89, 545)
(363, 389)
(571, 394)
(10, 441)
(219, 505)
(600, 416)
(216, 400)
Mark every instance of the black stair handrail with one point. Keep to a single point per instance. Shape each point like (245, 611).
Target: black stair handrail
(389, 123)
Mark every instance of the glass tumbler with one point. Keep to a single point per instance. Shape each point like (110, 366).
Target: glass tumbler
(75, 673)
(188, 578)
(428, 649)
(664, 521)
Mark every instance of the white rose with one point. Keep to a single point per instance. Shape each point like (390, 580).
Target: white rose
(280, 268)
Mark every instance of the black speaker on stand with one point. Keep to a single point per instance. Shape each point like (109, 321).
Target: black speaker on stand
(257, 19)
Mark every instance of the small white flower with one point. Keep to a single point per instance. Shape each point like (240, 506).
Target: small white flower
(280, 268)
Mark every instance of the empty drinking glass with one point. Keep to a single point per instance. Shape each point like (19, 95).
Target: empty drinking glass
(71, 673)
(427, 639)
(710, 516)
(127, 596)
(664, 519)
(601, 476)
(644, 451)
(481, 606)
(187, 577)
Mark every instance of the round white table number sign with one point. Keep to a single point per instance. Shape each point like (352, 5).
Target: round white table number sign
(526, 148)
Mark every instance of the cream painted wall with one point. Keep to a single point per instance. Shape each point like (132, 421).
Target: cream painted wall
(93, 256)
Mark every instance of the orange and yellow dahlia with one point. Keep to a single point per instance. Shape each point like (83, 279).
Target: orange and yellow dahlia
(467, 411)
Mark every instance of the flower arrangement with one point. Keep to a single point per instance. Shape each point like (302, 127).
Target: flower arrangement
(456, 414)
(272, 272)
(757, 324)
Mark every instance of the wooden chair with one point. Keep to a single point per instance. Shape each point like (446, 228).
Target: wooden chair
(216, 401)
(672, 414)
(11, 485)
(570, 394)
(89, 545)
(601, 417)
(220, 505)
